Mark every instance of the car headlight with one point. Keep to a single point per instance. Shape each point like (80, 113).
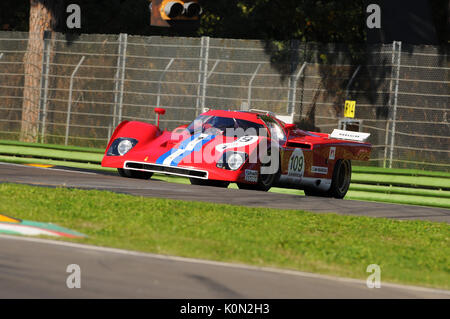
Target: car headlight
(232, 160)
(124, 146)
(121, 146)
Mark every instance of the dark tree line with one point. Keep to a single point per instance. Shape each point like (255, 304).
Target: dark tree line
(305, 20)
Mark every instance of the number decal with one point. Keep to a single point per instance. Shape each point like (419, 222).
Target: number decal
(240, 142)
(296, 166)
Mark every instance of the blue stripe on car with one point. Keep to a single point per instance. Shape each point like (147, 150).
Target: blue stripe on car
(163, 157)
(182, 146)
(197, 147)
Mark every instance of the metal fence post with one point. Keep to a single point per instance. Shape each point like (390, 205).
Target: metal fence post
(158, 97)
(116, 94)
(293, 80)
(394, 110)
(350, 82)
(205, 72)
(116, 80)
(388, 120)
(44, 80)
(200, 74)
(123, 59)
(249, 97)
(394, 115)
(69, 103)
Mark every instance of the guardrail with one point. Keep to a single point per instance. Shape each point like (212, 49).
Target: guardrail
(404, 186)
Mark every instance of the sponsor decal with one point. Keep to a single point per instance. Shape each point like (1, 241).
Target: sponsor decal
(10, 225)
(332, 153)
(240, 142)
(296, 166)
(319, 170)
(251, 175)
(189, 145)
(349, 135)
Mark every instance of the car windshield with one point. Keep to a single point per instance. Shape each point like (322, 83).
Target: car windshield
(227, 126)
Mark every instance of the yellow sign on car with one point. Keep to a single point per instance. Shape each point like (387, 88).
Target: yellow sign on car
(349, 109)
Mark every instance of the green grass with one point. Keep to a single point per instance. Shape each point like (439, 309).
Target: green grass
(410, 252)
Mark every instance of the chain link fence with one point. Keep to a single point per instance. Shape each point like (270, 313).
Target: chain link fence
(90, 83)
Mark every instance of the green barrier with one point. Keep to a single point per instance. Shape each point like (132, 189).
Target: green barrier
(402, 180)
(398, 171)
(399, 199)
(24, 160)
(400, 190)
(53, 146)
(53, 154)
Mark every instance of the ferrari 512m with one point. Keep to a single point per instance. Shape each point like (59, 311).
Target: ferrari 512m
(252, 148)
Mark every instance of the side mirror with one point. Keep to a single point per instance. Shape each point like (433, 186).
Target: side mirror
(290, 127)
(159, 111)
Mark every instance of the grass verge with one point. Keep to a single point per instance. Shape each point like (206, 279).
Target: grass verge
(410, 252)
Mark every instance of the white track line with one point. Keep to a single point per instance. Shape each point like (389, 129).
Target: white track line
(220, 264)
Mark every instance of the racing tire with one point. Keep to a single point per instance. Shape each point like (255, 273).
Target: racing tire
(340, 182)
(209, 182)
(342, 175)
(265, 181)
(134, 174)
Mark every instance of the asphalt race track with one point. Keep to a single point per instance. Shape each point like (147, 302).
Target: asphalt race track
(12, 173)
(36, 268)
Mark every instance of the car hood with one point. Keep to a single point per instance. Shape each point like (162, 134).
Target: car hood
(187, 150)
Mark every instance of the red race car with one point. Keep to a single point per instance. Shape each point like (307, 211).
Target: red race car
(252, 148)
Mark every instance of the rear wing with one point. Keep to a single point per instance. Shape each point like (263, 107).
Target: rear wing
(349, 135)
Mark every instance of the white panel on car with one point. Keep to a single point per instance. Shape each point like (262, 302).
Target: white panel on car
(349, 135)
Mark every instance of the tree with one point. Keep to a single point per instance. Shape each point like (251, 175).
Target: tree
(44, 15)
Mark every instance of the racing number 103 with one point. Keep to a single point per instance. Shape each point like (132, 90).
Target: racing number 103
(296, 164)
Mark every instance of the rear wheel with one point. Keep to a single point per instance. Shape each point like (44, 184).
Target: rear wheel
(209, 182)
(340, 182)
(134, 174)
(342, 175)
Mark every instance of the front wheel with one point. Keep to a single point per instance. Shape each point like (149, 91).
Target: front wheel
(134, 174)
(265, 181)
(209, 182)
